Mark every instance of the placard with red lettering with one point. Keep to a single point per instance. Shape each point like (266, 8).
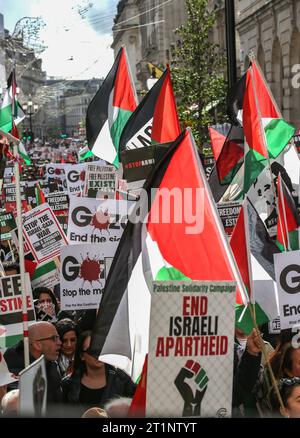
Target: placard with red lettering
(191, 340)
(43, 233)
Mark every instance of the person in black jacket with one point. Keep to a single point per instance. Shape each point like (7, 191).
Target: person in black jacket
(93, 383)
(247, 366)
(43, 339)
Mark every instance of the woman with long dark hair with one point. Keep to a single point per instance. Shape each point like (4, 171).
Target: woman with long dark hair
(92, 382)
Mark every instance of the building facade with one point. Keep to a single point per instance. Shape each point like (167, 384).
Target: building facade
(149, 36)
(270, 29)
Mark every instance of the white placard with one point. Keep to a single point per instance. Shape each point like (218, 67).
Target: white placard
(190, 362)
(287, 273)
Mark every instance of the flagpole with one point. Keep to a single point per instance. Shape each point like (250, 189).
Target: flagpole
(21, 257)
(263, 134)
(220, 227)
(234, 267)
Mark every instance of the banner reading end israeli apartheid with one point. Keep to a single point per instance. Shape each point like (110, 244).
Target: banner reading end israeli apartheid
(190, 368)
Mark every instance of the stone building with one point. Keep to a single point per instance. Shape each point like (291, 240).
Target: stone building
(149, 36)
(271, 30)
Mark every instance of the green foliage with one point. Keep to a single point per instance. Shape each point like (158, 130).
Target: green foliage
(197, 70)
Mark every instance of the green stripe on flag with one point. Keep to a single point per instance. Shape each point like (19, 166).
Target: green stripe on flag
(86, 155)
(278, 134)
(44, 269)
(169, 274)
(117, 129)
(9, 341)
(246, 323)
(254, 165)
(6, 118)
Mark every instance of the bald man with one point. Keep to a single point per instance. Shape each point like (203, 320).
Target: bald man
(43, 339)
(10, 403)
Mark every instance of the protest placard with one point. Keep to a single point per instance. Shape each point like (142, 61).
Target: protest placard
(190, 362)
(96, 221)
(33, 389)
(43, 233)
(229, 212)
(75, 176)
(83, 274)
(58, 202)
(100, 181)
(287, 270)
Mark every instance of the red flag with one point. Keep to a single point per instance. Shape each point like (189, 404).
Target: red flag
(257, 105)
(165, 127)
(138, 404)
(238, 243)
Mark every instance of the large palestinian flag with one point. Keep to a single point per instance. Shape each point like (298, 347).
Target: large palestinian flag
(176, 246)
(109, 111)
(251, 104)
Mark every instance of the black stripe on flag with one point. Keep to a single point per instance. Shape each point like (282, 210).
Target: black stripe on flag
(97, 112)
(142, 114)
(261, 244)
(15, 318)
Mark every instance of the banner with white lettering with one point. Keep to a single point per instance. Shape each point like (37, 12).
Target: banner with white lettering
(58, 202)
(96, 221)
(43, 233)
(83, 274)
(190, 361)
(229, 212)
(287, 271)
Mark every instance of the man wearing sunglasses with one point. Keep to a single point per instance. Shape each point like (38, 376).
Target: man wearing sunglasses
(43, 339)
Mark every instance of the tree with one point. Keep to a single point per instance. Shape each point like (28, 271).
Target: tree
(198, 71)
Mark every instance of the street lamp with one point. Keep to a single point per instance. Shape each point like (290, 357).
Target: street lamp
(30, 109)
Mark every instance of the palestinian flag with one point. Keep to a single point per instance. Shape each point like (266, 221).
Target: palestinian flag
(10, 110)
(161, 248)
(252, 105)
(138, 404)
(261, 245)
(84, 153)
(109, 111)
(21, 148)
(39, 194)
(231, 156)
(155, 120)
(287, 225)
(241, 247)
(218, 134)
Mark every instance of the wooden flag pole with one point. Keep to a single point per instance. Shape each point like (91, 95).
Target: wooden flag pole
(21, 257)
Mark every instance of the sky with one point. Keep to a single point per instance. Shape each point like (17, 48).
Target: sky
(77, 34)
